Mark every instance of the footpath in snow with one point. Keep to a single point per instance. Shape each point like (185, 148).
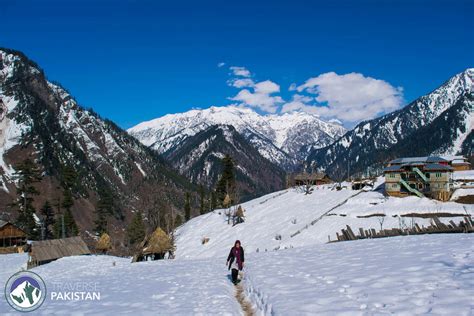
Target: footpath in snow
(407, 275)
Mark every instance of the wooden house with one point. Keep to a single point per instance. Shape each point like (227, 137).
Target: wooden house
(421, 176)
(315, 178)
(12, 238)
(459, 163)
(45, 251)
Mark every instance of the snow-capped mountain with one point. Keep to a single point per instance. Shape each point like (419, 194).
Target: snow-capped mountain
(199, 158)
(440, 122)
(283, 139)
(42, 121)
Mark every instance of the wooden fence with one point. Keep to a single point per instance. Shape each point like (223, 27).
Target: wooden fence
(436, 227)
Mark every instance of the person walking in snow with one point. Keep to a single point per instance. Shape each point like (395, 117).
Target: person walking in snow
(235, 260)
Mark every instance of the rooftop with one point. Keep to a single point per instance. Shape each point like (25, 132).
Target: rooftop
(411, 160)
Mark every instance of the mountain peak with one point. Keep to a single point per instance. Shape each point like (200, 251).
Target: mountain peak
(278, 137)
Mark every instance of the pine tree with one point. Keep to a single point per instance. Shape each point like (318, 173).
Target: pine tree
(69, 178)
(187, 207)
(136, 229)
(27, 174)
(47, 213)
(202, 198)
(226, 183)
(100, 223)
(178, 221)
(213, 201)
(70, 224)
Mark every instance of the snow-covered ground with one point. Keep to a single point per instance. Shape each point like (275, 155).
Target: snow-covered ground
(463, 175)
(290, 218)
(408, 275)
(290, 267)
(167, 287)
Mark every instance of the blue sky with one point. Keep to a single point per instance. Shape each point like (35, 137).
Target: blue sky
(137, 60)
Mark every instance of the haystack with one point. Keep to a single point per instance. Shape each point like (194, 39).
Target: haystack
(104, 243)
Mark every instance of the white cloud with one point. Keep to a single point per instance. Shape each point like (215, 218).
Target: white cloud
(292, 87)
(240, 71)
(267, 87)
(221, 64)
(350, 98)
(241, 83)
(261, 97)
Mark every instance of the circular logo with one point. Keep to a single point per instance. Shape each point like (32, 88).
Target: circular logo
(25, 291)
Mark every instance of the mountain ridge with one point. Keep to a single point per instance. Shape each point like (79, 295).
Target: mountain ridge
(373, 142)
(279, 138)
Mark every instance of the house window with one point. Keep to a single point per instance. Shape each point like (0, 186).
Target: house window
(438, 174)
(392, 175)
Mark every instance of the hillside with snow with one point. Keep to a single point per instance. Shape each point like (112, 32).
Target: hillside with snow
(284, 139)
(410, 275)
(438, 123)
(41, 121)
(289, 218)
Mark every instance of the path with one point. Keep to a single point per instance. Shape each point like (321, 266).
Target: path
(243, 301)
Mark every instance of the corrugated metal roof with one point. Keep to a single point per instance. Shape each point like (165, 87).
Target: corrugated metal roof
(436, 166)
(393, 168)
(411, 160)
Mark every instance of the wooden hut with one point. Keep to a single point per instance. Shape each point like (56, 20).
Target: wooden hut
(45, 251)
(12, 238)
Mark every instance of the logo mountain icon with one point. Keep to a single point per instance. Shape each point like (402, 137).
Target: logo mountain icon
(26, 295)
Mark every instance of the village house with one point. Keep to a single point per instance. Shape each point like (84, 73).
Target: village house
(459, 163)
(45, 251)
(315, 178)
(421, 176)
(12, 238)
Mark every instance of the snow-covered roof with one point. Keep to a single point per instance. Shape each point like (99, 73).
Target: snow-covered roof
(453, 158)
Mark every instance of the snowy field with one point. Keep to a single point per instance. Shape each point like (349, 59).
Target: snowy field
(409, 275)
(284, 220)
(168, 287)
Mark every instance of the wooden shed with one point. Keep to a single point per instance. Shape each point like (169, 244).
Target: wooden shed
(45, 251)
(11, 236)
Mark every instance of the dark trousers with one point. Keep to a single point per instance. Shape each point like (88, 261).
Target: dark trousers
(235, 273)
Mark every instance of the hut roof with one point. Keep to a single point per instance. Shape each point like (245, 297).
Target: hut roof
(2, 223)
(46, 250)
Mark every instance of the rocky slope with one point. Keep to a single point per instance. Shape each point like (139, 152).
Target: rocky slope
(199, 158)
(42, 121)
